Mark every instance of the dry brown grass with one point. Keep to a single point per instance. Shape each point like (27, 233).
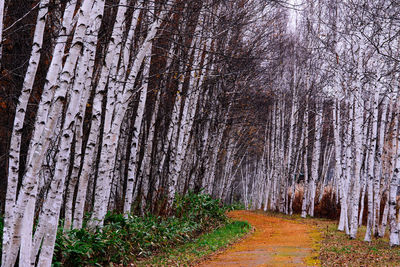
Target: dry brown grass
(327, 208)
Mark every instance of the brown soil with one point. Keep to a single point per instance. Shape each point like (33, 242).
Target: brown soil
(275, 242)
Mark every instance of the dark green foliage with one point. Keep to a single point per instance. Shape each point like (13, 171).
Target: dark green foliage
(200, 208)
(236, 206)
(123, 239)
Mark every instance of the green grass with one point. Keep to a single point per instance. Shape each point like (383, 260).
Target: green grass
(125, 239)
(122, 239)
(187, 254)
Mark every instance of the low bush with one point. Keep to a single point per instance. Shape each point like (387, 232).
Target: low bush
(189, 253)
(201, 208)
(236, 206)
(123, 239)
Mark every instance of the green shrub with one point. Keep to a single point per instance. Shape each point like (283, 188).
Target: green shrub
(199, 207)
(236, 206)
(122, 239)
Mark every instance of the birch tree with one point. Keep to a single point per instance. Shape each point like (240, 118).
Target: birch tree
(15, 143)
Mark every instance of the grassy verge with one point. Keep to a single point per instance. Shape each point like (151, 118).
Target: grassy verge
(192, 252)
(337, 249)
(124, 239)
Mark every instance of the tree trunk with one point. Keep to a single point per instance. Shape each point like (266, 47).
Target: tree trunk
(15, 143)
(371, 161)
(305, 187)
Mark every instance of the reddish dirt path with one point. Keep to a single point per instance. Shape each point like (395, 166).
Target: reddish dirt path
(275, 242)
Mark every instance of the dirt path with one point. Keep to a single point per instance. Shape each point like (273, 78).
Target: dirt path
(275, 242)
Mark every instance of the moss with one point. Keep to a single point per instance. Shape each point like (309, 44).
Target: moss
(313, 259)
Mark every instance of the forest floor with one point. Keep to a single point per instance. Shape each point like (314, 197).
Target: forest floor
(278, 240)
(275, 242)
(335, 248)
(283, 240)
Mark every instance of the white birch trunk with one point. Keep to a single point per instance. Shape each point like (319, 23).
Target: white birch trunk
(269, 161)
(371, 160)
(111, 136)
(297, 164)
(69, 196)
(305, 188)
(94, 134)
(385, 215)
(83, 84)
(15, 143)
(214, 152)
(244, 185)
(135, 139)
(394, 183)
(327, 159)
(53, 74)
(108, 76)
(358, 121)
(315, 157)
(387, 164)
(163, 146)
(228, 175)
(29, 187)
(146, 162)
(185, 123)
(338, 166)
(78, 100)
(378, 166)
(168, 141)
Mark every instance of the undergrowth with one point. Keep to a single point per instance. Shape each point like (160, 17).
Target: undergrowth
(236, 206)
(187, 254)
(122, 240)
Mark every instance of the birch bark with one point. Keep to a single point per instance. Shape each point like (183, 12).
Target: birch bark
(78, 100)
(15, 143)
(146, 162)
(387, 166)
(227, 174)
(185, 123)
(315, 156)
(378, 165)
(305, 188)
(395, 181)
(29, 187)
(336, 119)
(137, 128)
(90, 154)
(358, 117)
(371, 160)
(111, 136)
